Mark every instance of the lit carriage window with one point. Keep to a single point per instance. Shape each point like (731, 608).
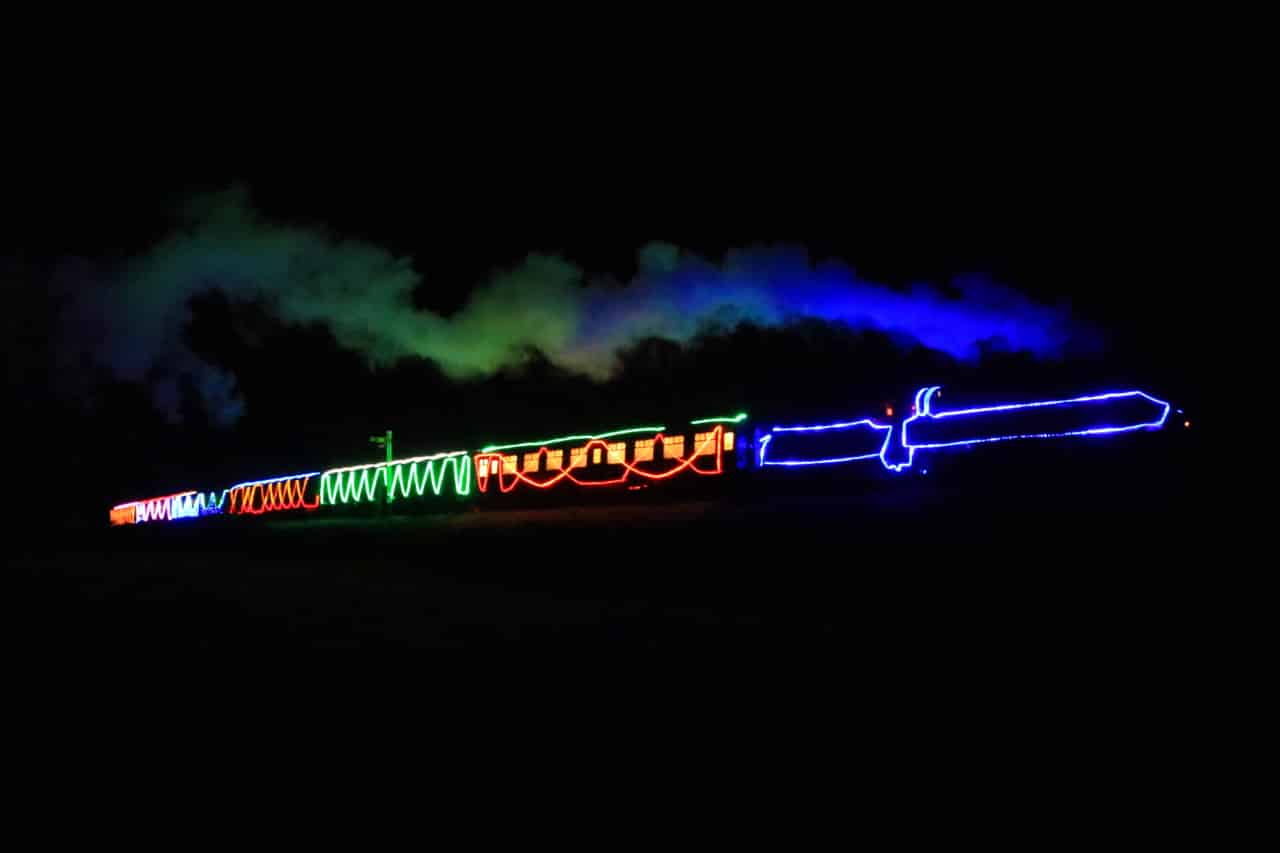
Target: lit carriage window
(673, 446)
(577, 457)
(644, 450)
(595, 456)
(704, 444)
(555, 459)
(728, 441)
(617, 452)
(530, 462)
(493, 466)
(509, 464)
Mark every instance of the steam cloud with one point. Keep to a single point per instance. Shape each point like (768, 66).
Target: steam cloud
(363, 294)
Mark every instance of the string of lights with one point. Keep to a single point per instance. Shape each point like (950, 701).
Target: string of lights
(1087, 409)
(165, 508)
(565, 438)
(861, 425)
(212, 504)
(735, 419)
(400, 478)
(272, 495)
(490, 465)
(648, 453)
(1085, 406)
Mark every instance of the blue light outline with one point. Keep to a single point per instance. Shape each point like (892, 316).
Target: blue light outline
(927, 411)
(794, 463)
(923, 408)
(919, 408)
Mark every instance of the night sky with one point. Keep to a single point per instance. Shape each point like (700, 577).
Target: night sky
(213, 280)
(152, 356)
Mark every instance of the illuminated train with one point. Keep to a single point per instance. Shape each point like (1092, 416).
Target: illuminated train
(651, 455)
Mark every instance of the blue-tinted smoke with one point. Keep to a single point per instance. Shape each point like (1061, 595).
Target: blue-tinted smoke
(676, 294)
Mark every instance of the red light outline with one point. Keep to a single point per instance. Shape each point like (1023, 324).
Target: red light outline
(274, 497)
(482, 461)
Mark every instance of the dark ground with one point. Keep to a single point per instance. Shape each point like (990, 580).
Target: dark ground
(1100, 570)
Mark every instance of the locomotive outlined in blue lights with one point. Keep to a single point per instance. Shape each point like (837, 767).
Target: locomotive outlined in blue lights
(928, 429)
(704, 448)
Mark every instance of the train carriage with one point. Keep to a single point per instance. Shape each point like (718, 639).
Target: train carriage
(691, 456)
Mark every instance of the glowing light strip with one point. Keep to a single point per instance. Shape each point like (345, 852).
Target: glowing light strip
(167, 508)
(274, 480)
(793, 463)
(338, 489)
(845, 425)
(404, 461)
(494, 447)
(461, 477)
(271, 495)
(1114, 395)
(713, 441)
(924, 409)
(212, 506)
(179, 506)
(918, 407)
(340, 485)
(736, 419)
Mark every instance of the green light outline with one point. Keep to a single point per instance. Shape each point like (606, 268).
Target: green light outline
(495, 447)
(736, 419)
(461, 477)
(359, 483)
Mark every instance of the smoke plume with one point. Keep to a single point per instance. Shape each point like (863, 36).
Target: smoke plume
(364, 295)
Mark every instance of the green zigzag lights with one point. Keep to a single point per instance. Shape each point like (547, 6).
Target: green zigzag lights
(358, 483)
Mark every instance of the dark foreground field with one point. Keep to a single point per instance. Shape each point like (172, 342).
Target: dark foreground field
(1109, 579)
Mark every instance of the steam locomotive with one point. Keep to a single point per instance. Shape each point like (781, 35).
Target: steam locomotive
(669, 457)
